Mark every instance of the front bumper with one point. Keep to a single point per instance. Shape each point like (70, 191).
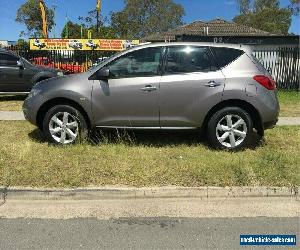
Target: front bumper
(269, 125)
(31, 107)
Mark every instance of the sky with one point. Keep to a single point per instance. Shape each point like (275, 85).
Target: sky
(194, 10)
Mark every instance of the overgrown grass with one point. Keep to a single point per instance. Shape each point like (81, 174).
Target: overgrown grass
(289, 103)
(144, 159)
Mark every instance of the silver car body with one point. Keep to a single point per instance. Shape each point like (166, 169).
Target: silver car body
(181, 101)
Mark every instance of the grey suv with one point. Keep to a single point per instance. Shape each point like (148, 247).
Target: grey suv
(221, 89)
(17, 75)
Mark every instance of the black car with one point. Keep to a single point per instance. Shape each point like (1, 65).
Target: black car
(17, 75)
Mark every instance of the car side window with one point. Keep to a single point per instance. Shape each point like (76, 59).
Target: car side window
(140, 63)
(8, 60)
(225, 56)
(188, 59)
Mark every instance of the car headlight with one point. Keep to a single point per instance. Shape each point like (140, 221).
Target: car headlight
(60, 73)
(34, 92)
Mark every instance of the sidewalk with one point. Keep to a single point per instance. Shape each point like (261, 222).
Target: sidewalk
(18, 116)
(116, 202)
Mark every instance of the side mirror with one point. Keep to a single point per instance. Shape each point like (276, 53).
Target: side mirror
(103, 73)
(20, 64)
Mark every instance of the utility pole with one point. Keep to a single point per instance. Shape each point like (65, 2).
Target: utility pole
(98, 9)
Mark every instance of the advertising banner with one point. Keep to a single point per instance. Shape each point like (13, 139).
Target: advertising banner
(82, 44)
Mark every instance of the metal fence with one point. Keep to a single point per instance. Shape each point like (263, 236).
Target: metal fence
(283, 64)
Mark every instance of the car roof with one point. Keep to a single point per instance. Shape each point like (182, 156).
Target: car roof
(8, 52)
(222, 45)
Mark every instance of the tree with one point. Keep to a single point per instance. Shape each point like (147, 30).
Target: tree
(29, 14)
(265, 15)
(143, 17)
(260, 5)
(71, 30)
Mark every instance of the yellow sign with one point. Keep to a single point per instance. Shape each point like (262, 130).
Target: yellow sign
(82, 44)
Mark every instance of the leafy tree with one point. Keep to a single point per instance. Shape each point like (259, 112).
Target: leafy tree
(29, 14)
(143, 17)
(265, 15)
(71, 30)
(23, 44)
(260, 5)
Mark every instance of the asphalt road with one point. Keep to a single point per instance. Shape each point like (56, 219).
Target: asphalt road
(139, 233)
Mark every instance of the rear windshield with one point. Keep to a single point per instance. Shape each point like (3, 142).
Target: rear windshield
(225, 56)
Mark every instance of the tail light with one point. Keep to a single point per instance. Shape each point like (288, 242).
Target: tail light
(265, 81)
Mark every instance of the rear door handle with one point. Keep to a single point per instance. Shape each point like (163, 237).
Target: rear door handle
(149, 88)
(212, 84)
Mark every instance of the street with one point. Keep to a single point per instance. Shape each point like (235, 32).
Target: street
(138, 233)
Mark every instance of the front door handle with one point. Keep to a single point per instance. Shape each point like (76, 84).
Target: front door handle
(212, 84)
(149, 88)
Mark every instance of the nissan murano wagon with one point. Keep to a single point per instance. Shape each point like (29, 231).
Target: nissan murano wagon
(220, 89)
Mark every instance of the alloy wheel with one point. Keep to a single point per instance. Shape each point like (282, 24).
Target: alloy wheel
(231, 131)
(64, 128)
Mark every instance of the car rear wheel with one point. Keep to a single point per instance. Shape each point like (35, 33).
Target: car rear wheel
(230, 128)
(64, 125)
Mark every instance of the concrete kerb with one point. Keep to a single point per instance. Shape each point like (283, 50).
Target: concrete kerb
(16, 193)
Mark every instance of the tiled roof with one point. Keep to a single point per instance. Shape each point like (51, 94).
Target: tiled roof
(216, 27)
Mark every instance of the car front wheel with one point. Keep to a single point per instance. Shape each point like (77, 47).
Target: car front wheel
(64, 125)
(230, 128)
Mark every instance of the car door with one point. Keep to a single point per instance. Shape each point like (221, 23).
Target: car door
(12, 77)
(190, 86)
(129, 98)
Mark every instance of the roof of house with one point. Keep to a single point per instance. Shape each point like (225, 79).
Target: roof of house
(216, 27)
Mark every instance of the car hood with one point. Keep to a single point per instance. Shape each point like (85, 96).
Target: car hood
(61, 81)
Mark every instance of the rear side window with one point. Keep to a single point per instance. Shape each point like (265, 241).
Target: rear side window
(8, 60)
(188, 59)
(225, 56)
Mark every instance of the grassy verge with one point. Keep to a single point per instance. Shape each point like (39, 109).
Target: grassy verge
(147, 159)
(11, 103)
(289, 103)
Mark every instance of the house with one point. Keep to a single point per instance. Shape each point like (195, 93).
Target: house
(221, 31)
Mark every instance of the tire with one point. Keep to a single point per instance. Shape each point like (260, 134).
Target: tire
(64, 125)
(230, 128)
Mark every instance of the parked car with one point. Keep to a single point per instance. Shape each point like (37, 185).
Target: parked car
(220, 89)
(17, 75)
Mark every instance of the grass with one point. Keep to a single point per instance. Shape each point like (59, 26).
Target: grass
(289, 103)
(11, 103)
(145, 159)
